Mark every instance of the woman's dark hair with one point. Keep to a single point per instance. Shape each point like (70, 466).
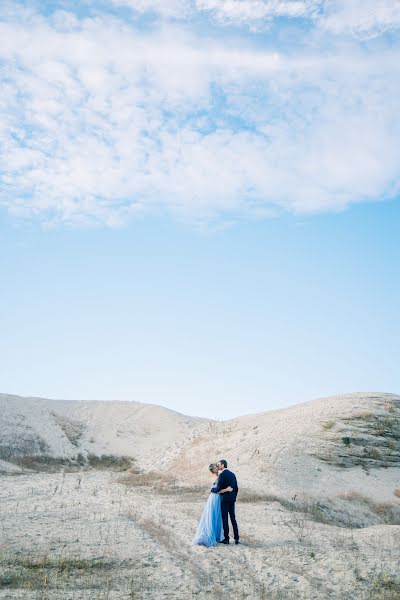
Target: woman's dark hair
(223, 462)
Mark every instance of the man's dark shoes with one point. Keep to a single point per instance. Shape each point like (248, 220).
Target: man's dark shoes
(237, 542)
(224, 542)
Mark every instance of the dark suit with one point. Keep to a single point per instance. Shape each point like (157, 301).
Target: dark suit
(227, 478)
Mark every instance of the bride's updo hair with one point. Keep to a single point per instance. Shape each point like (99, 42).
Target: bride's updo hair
(212, 467)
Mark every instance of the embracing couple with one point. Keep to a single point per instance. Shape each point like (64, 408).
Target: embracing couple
(214, 523)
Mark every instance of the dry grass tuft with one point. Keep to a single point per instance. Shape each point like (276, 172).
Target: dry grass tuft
(388, 512)
(385, 587)
(161, 483)
(110, 461)
(44, 463)
(363, 414)
(150, 479)
(44, 574)
(252, 497)
(375, 453)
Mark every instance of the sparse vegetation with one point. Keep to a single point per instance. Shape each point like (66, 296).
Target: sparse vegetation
(91, 532)
(385, 587)
(253, 497)
(144, 518)
(162, 483)
(375, 453)
(46, 463)
(72, 429)
(388, 512)
(28, 445)
(370, 438)
(110, 461)
(363, 414)
(149, 479)
(45, 573)
(52, 464)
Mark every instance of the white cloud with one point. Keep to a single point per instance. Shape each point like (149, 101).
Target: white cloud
(165, 8)
(244, 12)
(362, 18)
(100, 122)
(253, 11)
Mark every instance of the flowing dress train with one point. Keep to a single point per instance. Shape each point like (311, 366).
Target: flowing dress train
(209, 531)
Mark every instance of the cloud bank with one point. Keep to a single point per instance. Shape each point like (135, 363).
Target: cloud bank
(102, 119)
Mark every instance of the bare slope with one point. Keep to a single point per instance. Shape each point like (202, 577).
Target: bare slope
(329, 447)
(326, 447)
(57, 428)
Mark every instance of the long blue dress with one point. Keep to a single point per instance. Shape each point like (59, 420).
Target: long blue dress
(209, 531)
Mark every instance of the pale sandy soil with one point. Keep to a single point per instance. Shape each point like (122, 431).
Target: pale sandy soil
(318, 507)
(136, 542)
(63, 428)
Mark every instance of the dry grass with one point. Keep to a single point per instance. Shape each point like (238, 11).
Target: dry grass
(387, 426)
(375, 453)
(385, 587)
(139, 546)
(44, 573)
(363, 414)
(110, 461)
(161, 483)
(149, 479)
(329, 425)
(311, 509)
(388, 512)
(396, 492)
(43, 463)
(252, 497)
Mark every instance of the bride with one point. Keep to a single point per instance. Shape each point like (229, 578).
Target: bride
(209, 531)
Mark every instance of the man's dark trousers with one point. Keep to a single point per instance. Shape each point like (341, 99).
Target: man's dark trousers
(228, 508)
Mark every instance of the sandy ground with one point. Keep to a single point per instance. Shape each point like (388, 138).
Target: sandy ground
(318, 506)
(89, 535)
(300, 449)
(64, 427)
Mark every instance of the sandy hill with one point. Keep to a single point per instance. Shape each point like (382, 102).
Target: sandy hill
(58, 428)
(337, 457)
(328, 447)
(318, 505)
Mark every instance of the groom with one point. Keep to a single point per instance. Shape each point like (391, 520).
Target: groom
(227, 479)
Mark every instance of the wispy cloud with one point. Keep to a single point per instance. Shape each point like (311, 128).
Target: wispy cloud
(357, 17)
(173, 8)
(255, 12)
(101, 120)
(361, 18)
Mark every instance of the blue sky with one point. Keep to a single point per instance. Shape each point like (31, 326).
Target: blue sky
(199, 201)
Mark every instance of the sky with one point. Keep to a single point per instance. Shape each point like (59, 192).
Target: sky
(199, 201)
